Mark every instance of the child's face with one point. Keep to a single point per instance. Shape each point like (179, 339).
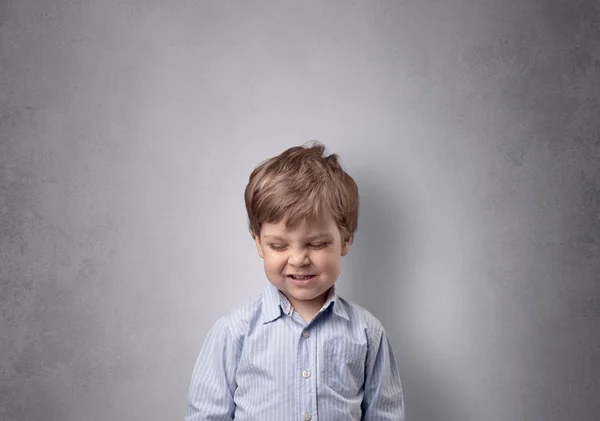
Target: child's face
(312, 248)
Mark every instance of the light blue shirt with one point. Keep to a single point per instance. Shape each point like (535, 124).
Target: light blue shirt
(264, 362)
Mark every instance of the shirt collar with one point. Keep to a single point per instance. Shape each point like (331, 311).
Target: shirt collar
(339, 307)
(274, 304)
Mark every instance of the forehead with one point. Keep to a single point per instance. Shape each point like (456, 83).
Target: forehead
(325, 225)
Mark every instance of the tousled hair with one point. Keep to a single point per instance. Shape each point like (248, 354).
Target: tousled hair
(300, 184)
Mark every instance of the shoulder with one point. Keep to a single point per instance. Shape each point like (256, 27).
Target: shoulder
(240, 320)
(359, 314)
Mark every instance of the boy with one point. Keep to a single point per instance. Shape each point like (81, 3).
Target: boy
(298, 352)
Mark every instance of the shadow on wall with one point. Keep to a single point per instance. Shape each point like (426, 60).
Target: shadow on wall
(380, 270)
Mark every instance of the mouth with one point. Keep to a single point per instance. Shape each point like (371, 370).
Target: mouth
(301, 277)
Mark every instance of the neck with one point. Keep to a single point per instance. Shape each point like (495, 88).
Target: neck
(309, 309)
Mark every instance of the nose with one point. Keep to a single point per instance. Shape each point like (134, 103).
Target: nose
(298, 258)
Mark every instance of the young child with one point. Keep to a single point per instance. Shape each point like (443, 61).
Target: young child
(299, 351)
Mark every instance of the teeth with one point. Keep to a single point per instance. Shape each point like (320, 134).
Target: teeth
(300, 278)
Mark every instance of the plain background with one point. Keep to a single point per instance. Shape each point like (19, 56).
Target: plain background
(128, 130)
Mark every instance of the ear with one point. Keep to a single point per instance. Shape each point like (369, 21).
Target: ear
(259, 246)
(346, 246)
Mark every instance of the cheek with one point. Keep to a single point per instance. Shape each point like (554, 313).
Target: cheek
(326, 263)
(274, 262)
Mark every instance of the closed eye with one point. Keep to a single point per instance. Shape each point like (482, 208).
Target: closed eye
(315, 246)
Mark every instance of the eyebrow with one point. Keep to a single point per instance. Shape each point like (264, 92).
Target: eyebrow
(322, 235)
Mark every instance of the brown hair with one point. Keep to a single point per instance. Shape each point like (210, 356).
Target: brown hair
(302, 184)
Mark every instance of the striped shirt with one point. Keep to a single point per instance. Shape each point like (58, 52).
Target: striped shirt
(264, 362)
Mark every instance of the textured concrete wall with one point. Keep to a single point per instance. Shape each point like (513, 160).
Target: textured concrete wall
(128, 130)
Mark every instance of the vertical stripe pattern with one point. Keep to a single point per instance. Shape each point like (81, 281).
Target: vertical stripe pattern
(264, 362)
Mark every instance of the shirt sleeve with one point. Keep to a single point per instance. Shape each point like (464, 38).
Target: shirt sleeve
(213, 384)
(383, 399)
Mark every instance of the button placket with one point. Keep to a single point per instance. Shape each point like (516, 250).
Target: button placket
(307, 360)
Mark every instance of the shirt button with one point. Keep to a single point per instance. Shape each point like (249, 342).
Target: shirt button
(306, 416)
(306, 334)
(306, 374)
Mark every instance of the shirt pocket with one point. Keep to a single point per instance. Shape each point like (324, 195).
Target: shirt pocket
(345, 366)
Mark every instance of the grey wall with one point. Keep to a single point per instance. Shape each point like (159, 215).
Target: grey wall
(128, 130)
